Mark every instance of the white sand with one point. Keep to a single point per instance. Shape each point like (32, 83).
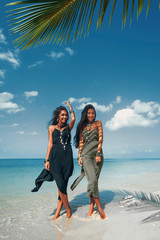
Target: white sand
(121, 223)
(29, 218)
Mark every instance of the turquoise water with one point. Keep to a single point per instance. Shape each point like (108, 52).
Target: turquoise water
(17, 176)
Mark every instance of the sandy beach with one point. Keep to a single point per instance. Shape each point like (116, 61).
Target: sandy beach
(30, 216)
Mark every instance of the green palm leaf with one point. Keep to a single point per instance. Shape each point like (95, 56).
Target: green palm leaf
(42, 21)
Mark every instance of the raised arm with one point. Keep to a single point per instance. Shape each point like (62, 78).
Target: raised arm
(50, 144)
(71, 124)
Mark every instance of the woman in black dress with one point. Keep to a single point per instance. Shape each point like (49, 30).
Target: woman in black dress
(59, 158)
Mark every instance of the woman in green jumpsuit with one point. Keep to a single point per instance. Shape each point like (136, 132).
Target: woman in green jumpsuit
(89, 138)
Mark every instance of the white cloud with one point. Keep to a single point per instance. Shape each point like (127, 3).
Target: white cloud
(11, 58)
(2, 73)
(13, 125)
(125, 152)
(144, 114)
(30, 94)
(148, 150)
(118, 99)
(20, 132)
(2, 37)
(7, 105)
(34, 133)
(151, 109)
(5, 96)
(98, 107)
(70, 51)
(61, 54)
(56, 55)
(35, 64)
(1, 83)
(80, 100)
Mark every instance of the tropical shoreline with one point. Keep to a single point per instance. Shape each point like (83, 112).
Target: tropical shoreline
(26, 215)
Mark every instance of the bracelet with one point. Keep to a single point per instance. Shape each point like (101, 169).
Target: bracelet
(46, 160)
(71, 111)
(98, 154)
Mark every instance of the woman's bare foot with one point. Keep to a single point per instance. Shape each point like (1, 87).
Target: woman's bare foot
(59, 207)
(91, 209)
(90, 213)
(69, 213)
(55, 217)
(102, 214)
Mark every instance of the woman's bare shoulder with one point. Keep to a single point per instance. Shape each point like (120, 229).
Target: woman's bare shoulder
(98, 122)
(51, 128)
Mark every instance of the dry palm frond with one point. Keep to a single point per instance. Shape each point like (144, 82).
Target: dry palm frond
(43, 21)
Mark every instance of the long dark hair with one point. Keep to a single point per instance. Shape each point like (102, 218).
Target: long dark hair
(56, 113)
(82, 123)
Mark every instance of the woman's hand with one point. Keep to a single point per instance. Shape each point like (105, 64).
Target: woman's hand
(98, 159)
(68, 104)
(71, 124)
(80, 162)
(47, 165)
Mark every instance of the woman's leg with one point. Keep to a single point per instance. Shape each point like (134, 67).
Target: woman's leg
(91, 170)
(64, 199)
(62, 182)
(100, 210)
(59, 207)
(92, 203)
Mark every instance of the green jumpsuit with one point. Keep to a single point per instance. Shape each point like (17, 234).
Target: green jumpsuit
(90, 168)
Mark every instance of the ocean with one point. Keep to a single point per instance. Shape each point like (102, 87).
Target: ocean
(26, 215)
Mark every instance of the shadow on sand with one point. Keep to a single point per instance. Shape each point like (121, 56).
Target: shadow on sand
(80, 200)
(149, 202)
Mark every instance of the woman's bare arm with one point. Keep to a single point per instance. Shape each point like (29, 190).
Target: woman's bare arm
(71, 124)
(50, 144)
(100, 141)
(100, 132)
(80, 148)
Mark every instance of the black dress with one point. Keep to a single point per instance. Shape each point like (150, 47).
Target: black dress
(61, 161)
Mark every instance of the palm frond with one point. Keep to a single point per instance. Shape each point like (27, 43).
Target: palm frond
(149, 2)
(150, 197)
(132, 11)
(42, 21)
(114, 4)
(148, 202)
(152, 218)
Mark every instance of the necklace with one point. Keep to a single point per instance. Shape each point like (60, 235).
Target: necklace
(60, 127)
(61, 139)
(89, 126)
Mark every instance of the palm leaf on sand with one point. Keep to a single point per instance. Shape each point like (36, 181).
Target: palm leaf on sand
(152, 202)
(43, 21)
(148, 197)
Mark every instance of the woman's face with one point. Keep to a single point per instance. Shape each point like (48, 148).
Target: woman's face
(63, 117)
(90, 115)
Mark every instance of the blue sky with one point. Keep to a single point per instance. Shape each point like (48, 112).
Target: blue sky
(116, 70)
